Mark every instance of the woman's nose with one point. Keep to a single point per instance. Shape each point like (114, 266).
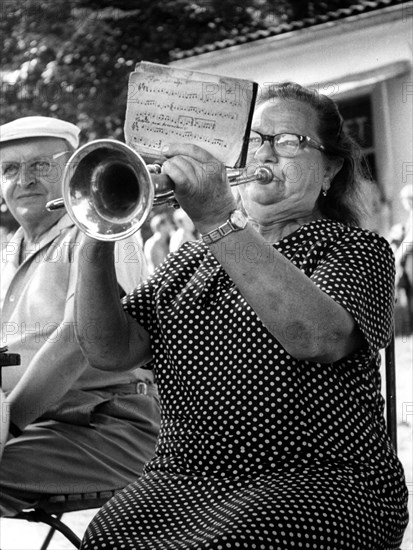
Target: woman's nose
(266, 153)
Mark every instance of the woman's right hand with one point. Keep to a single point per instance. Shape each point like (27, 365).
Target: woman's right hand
(201, 185)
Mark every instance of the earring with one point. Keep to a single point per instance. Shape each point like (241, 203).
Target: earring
(324, 192)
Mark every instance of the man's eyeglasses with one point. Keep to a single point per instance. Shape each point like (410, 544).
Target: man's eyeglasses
(284, 145)
(40, 166)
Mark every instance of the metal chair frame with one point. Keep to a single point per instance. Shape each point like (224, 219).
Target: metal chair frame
(390, 393)
(50, 511)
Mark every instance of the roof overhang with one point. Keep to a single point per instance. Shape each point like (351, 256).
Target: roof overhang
(337, 57)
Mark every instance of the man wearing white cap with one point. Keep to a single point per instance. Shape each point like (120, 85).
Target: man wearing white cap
(73, 428)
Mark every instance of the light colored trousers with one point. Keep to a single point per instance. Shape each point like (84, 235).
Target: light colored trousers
(96, 443)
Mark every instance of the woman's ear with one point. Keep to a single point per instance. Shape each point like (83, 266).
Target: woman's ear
(332, 168)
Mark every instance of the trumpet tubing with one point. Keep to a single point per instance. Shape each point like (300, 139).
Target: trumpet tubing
(109, 190)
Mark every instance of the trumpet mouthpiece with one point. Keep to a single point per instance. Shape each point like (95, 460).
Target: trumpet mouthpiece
(55, 204)
(264, 175)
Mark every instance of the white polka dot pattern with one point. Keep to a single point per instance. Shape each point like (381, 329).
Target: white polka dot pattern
(257, 449)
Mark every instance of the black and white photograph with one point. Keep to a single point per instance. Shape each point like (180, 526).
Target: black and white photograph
(206, 292)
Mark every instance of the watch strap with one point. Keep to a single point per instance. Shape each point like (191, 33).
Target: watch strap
(219, 232)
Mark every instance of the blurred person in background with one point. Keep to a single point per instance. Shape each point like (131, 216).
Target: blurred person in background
(156, 248)
(401, 240)
(185, 230)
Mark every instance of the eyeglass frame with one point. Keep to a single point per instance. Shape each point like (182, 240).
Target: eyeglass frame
(32, 161)
(306, 140)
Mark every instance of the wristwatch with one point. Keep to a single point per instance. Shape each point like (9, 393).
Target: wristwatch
(236, 221)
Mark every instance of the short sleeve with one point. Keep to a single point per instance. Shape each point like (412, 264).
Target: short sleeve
(357, 271)
(140, 304)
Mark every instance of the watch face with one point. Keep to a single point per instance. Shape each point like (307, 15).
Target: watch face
(238, 219)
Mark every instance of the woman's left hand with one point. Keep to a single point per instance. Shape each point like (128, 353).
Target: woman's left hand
(201, 185)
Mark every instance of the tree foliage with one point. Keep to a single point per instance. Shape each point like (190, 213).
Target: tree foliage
(72, 58)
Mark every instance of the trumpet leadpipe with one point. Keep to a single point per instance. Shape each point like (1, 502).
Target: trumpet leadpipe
(262, 174)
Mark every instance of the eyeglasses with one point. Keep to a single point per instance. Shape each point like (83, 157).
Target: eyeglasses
(40, 166)
(284, 145)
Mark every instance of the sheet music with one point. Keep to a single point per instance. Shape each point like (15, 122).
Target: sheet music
(168, 105)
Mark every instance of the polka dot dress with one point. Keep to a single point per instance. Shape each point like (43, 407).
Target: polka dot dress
(258, 450)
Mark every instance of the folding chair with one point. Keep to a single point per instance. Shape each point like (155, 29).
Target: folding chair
(50, 511)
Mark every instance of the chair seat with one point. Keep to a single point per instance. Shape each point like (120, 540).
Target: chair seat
(62, 504)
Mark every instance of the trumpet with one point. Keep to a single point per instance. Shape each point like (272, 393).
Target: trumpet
(109, 190)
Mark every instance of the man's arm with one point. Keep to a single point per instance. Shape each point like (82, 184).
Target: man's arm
(59, 362)
(110, 338)
(49, 376)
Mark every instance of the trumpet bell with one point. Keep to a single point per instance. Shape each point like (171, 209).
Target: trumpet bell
(107, 190)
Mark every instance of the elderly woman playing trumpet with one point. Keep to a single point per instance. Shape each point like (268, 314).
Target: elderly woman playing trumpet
(264, 336)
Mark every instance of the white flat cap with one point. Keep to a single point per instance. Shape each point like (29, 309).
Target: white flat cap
(40, 126)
